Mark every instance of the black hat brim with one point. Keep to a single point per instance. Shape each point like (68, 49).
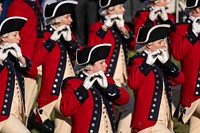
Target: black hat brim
(192, 4)
(109, 3)
(151, 34)
(92, 54)
(11, 24)
(57, 9)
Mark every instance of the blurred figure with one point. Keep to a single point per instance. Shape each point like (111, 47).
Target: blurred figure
(57, 65)
(185, 48)
(12, 65)
(154, 13)
(5, 4)
(89, 97)
(1, 7)
(112, 29)
(30, 34)
(132, 6)
(86, 14)
(151, 76)
(178, 10)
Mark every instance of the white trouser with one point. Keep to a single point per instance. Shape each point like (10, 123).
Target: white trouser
(14, 125)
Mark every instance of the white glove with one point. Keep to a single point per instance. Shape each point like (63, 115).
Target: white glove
(3, 54)
(67, 34)
(16, 52)
(163, 57)
(154, 13)
(102, 80)
(7, 46)
(89, 81)
(58, 32)
(163, 14)
(196, 25)
(110, 20)
(152, 56)
(120, 21)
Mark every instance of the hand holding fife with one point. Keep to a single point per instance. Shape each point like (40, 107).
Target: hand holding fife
(89, 81)
(163, 57)
(196, 25)
(67, 34)
(102, 80)
(110, 20)
(16, 50)
(120, 21)
(3, 54)
(163, 14)
(154, 13)
(58, 32)
(152, 57)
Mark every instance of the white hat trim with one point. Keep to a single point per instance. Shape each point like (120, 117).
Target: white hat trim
(89, 56)
(149, 32)
(194, 5)
(105, 5)
(61, 3)
(9, 18)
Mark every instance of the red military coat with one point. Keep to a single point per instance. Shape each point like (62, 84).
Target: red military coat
(84, 106)
(185, 48)
(147, 84)
(32, 27)
(8, 71)
(113, 37)
(142, 18)
(52, 56)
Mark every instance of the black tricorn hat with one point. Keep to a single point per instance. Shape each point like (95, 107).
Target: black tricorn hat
(91, 54)
(11, 24)
(109, 3)
(60, 8)
(151, 34)
(192, 4)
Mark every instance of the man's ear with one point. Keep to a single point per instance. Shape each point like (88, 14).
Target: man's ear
(110, 10)
(148, 46)
(88, 67)
(4, 39)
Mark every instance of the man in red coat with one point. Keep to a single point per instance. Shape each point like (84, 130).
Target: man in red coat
(154, 13)
(112, 29)
(58, 64)
(30, 33)
(12, 67)
(185, 48)
(89, 97)
(151, 76)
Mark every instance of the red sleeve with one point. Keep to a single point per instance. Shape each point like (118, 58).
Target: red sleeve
(180, 44)
(124, 96)
(69, 103)
(137, 73)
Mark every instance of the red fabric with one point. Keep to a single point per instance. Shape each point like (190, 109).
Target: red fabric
(143, 88)
(82, 113)
(3, 81)
(94, 39)
(49, 62)
(140, 20)
(28, 33)
(189, 57)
